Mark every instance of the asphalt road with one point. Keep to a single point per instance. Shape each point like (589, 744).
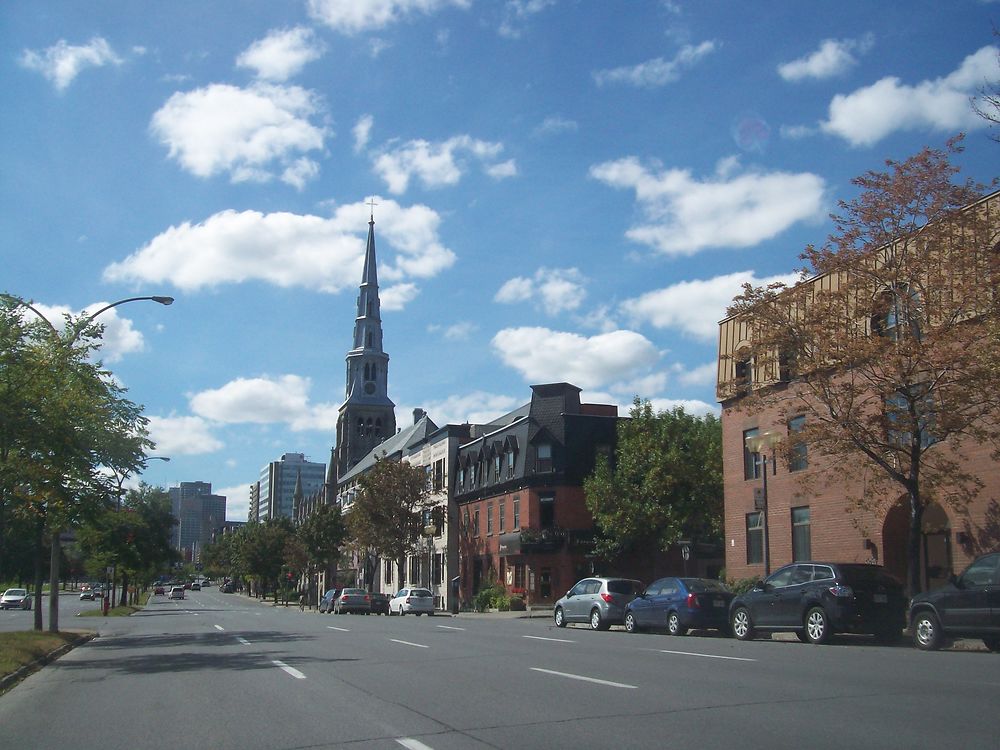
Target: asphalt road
(69, 606)
(223, 671)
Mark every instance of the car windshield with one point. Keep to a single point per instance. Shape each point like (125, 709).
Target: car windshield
(16, 592)
(702, 585)
(354, 592)
(624, 586)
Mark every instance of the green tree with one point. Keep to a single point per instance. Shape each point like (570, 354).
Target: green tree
(890, 358)
(663, 485)
(322, 533)
(262, 551)
(388, 512)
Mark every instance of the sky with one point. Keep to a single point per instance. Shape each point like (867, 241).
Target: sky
(563, 190)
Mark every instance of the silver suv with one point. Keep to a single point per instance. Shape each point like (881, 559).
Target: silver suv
(598, 601)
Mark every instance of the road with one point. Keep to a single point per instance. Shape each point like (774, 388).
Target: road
(69, 606)
(223, 671)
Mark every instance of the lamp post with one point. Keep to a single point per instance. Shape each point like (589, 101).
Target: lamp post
(759, 444)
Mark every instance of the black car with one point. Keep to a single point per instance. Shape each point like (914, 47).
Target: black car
(679, 604)
(380, 604)
(817, 599)
(967, 607)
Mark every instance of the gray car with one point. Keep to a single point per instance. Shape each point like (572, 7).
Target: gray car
(598, 601)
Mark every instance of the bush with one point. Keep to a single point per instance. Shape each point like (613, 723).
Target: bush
(492, 596)
(741, 585)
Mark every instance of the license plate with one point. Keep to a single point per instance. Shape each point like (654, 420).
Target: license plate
(881, 599)
(718, 603)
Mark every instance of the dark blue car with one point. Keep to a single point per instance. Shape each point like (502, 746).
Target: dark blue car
(679, 605)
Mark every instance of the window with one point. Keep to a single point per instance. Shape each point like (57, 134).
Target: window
(414, 570)
(496, 467)
(461, 479)
(489, 518)
(439, 475)
(510, 463)
(751, 462)
(503, 514)
(517, 512)
(475, 522)
(982, 572)
(465, 521)
(437, 574)
(906, 409)
(755, 538)
(543, 457)
(743, 372)
(546, 511)
(799, 458)
(519, 575)
(801, 539)
(897, 313)
(388, 570)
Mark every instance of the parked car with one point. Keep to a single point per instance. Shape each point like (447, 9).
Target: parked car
(414, 601)
(177, 592)
(968, 606)
(15, 599)
(817, 599)
(380, 604)
(158, 590)
(227, 588)
(196, 586)
(352, 601)
(87, 594)
(326, 603)
(598, 601)
(679, 604)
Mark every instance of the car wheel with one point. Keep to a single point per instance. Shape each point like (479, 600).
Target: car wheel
(817, 626)
(927, 634)
(674, 626)
(741, 625)
(596, 621)
(560, 618)
(992, 642)
(630, 626)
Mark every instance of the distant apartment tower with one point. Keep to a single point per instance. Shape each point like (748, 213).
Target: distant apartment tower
(198, 513)
(276, 487)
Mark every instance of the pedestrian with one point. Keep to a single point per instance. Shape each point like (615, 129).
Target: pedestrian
(302, 601)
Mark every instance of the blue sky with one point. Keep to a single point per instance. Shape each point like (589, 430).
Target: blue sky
(564, 190)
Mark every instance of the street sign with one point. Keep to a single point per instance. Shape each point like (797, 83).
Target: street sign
(686, 552)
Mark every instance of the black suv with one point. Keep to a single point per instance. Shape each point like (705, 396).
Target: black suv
(968, 606)
(817, 599)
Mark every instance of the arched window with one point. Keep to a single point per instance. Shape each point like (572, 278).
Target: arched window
(361, 426)
(897, 312)
(368, 339)
(367, 373)
(378, 427)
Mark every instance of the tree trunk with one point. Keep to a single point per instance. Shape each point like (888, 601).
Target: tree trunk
(123, 600)
(54, 584)
(913, 543)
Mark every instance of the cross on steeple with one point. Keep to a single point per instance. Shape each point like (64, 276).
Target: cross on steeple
(372, 204)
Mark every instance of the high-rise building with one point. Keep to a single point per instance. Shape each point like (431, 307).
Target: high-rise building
(277, 484)
(198, 512)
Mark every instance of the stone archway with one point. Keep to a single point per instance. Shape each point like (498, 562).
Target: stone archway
(935, 546)
(895, 532)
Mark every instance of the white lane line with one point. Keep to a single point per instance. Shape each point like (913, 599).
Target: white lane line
(585, 679)
(342, 630)
(407, 643)
(539, 638)
(290, 670)
(219, 627)
(706, 656)
(449, 627)
(244, 641)
(412, 744)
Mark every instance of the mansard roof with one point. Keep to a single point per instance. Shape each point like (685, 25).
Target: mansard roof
(392, 447)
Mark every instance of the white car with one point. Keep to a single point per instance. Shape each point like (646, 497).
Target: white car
(177, 592)
(15, 599)
(415, 601)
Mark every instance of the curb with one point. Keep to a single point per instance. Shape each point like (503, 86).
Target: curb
(8, 681)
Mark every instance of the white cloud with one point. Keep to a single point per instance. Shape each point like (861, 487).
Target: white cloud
(705, 374)
(544, 356)
(685, 215)
(282, 53)
(517, 13)
(264, 400)
(477, 407)
(237, 500)
(694, 307)
(502, 170)
(435, 164)
(643, 387)
(118, 339)
(397, 297)
(690, 406)
(245, 132)
(289, 250)
(554, 125)
(869, 114)
(834, 57)
(458, 332)
(352, 16)
(553, 290)
(63, 62)
(183, 436)
(362, 132)
(301, 171)
(656, 72)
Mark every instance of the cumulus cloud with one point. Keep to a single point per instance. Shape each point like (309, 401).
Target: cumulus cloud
(690, 406)
(237, 501)
(554, 125)
(437, 164)
(834, 57)
(250, 133)
(118, 339)
(868, 115)
(516, 14)
(553, 290)
(694, 307)
(457, 332)
(265, 400)
(398, 296)
(362, 132)
(352, 17)
(542, 355)
(289, 250)
(183, 436)
(283, 53)
(656, 72)
(682, 213)
(63, 62)
(477, 407)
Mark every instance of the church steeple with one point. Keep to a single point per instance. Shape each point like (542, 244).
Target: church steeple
(367, 416)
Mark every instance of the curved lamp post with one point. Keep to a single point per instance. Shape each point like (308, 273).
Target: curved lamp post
(759, 445)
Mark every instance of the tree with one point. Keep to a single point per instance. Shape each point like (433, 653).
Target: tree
(322, 534)
(664, 485)
(262, 551)
(889, 355)
(987, 104)
(388, 512)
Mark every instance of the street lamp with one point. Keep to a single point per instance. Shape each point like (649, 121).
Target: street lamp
(758, 445)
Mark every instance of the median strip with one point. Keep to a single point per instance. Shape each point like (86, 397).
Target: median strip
(585, 679)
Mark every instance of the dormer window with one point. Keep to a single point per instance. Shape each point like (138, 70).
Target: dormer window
(543, 457)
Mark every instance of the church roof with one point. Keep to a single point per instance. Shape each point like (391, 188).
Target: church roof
(392, 447)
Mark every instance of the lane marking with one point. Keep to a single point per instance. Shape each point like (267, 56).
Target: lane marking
(706, 656)
(290, 670)
(219, 627)
(407, 643)
(585, 679)
(244, 641)
(450, 627)
(412, 744)
(342, 630)
(539, 638)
